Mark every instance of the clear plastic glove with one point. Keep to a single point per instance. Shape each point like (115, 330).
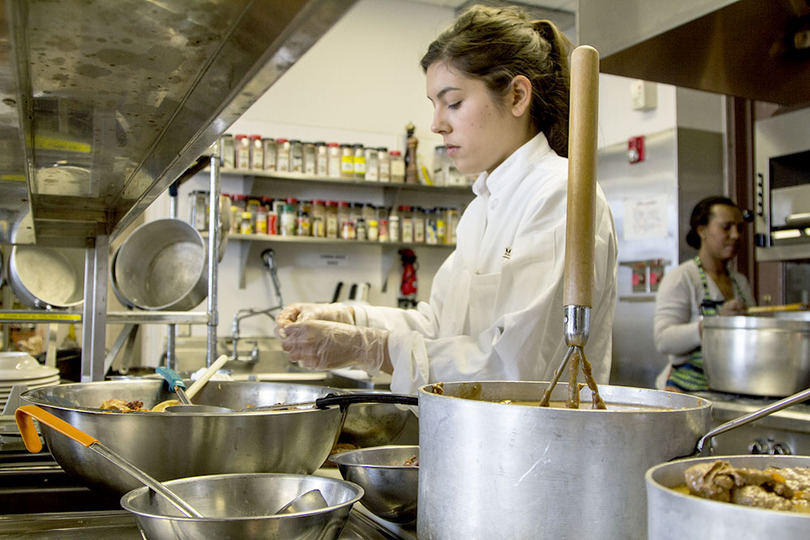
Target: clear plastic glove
(324, 345)
(301, 311)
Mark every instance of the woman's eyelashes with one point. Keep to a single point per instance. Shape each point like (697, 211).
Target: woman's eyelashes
(455, 105)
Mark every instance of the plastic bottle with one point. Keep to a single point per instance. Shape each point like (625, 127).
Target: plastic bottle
(241, 152)
(384, 163)
(321, 159)
(359, 162)
(283, 155)
(333, 164)
(346, 161)
(256, 152)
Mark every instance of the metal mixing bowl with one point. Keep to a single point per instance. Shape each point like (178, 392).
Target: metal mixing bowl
(179, 445)
(391, 486)
(243, 506)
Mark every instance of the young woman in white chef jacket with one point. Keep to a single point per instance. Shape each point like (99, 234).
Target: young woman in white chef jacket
(499, 86)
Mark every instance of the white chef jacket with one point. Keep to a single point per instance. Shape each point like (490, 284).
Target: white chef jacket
(496, 305)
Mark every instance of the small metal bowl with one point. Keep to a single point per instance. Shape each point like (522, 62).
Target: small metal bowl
(243, 506)
(374, 424)
(391, 486)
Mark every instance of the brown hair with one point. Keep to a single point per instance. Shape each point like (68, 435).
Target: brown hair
(497, 44)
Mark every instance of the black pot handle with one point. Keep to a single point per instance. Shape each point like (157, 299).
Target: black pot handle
(344, 400)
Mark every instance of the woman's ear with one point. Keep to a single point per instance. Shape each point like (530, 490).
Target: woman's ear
(520, 95)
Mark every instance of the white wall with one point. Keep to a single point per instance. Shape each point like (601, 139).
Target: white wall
(362, 83)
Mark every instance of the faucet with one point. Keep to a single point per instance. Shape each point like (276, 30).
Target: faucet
(268, 258)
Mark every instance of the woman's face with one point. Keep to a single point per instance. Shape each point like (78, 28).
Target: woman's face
(479, 132)
(720, 238)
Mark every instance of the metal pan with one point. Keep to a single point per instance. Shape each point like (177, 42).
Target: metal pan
(161, 266)
(46, 277)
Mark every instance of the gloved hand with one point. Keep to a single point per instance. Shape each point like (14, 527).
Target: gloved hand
(329, 345)
(301, 311)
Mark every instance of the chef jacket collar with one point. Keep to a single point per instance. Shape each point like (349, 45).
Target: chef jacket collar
(513, 169)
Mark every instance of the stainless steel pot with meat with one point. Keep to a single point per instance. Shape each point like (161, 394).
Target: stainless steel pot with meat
(492, 464)
(674, 514)
(177, 445)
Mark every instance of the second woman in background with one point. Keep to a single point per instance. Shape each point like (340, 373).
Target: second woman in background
(700, 287)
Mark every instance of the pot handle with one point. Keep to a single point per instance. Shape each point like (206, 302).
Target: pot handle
(344, 400)
(804, 395)
(24, 416)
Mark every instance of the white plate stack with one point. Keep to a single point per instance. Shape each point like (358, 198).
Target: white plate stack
(22, 368)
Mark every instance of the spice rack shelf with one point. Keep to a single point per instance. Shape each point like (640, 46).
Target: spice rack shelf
(332, 241)
(330, 180)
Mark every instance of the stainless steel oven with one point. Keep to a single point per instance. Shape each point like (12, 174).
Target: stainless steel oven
(782, 162)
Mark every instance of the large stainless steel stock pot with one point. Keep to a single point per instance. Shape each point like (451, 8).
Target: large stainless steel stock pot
(489, 469)
(761, 356)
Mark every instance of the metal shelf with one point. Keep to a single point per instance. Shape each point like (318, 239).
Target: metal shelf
(113, 317)
(328, 180)
(328, 241)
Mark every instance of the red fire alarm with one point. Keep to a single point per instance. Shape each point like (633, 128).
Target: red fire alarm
(635, 149)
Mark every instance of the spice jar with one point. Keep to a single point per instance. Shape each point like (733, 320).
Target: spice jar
(269, 154)
(321, 159)
(331, 219)
(227, 151)
(397, 167)
(283, 155)
(360, 229)
(198, 210)
(261, 217)
(372, 165)
(359, 162)
(256, 152)
(318, 215)
(244, 225)
(431, 227)
(288, 218)
(333, 155)
(393, 226)
(241, 152)
(309, 158)
(406, 223)
(345, 222)
(346, 161)
(384, 164)
(238, 205)
(296, 156)
(303, 223)
(373, 230)
(418, 223)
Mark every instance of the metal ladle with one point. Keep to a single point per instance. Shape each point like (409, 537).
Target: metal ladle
(24, 416)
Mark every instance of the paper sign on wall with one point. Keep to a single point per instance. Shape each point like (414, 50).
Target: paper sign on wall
(645, 218)
(332, 260)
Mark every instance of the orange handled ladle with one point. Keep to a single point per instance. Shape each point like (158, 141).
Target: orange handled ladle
(24, 417)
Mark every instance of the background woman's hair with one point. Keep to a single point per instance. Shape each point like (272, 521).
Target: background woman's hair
(700, 216)
(497, 44)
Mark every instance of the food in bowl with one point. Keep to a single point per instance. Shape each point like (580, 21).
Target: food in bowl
(786, 489)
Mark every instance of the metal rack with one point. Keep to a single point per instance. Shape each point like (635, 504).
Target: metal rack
(105, 103)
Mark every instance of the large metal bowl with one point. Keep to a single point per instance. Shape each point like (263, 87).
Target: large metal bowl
(672, 515)
(391, 486)
(178, 445)
(242, 506)
(759, 356)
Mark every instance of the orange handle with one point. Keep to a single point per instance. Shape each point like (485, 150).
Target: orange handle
(579, 223)
(24, 416)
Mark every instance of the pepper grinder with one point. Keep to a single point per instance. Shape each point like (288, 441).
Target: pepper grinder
(411, 172)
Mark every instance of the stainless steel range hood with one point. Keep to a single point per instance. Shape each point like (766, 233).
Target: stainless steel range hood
(104, 103)
(755, 49)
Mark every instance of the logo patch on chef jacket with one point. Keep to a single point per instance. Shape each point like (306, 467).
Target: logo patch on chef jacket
(507, 253)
